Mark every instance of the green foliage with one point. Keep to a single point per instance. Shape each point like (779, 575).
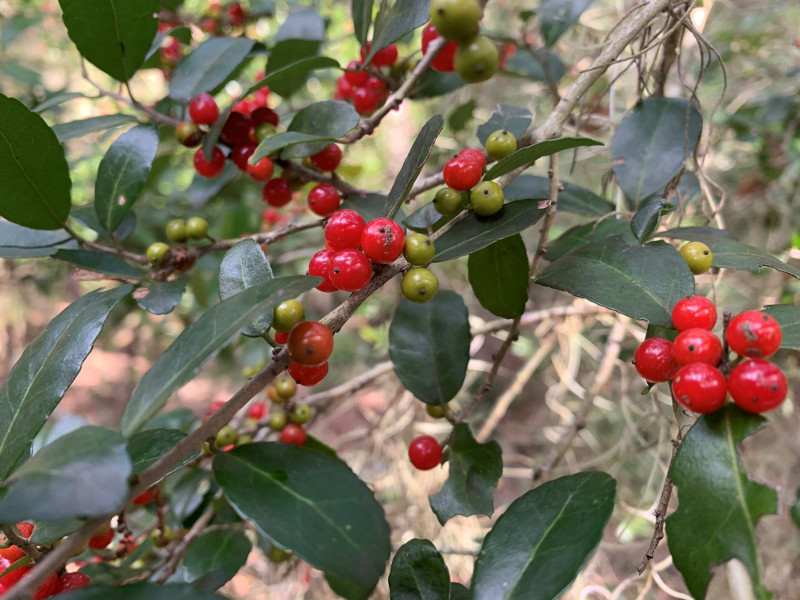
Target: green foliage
(514, 119)
(243, 267)
(499, 276)
(83, 127)
(208, 66)
(530, 154)
(99, 262)
(328, 119)
(571, 199)
(395, 20)
(160, 298)
(146, 447)
(222, 552)
(789, 319)
(419, 573)
(22, 242)
(142, 591)
(557, 16)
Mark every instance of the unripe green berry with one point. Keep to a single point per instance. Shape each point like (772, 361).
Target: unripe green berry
(456, 19)
(277, 421)
(227, 436)
(447, 201)
(188, 134)
(419, 285)
(156, 252)
(698, 256)
(435, 411)
(500, 144)
(287, 314)
(176, 230)
(162, 537)
(486, 198)
(245, 439)
(263, 131)
(285, 386)
(278, 555)
(197, 228)
(476, 60)
(274, 396)
(301, 413)
(418, 249)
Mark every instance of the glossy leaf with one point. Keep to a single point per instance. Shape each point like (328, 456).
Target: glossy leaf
(245, 266)
(223, 550)
(514, 119)
(571, 198)
(475, 470)
(542, 67)
(113, 35)
(426, 219)
(789, 319)
(77, 129)
(459, 592)
(146, 447)
(46, 369)
(285, 139)
(717, 496)
(433, 84)
(161, 297)
(583, 234)
(396, 20)
(473, 233)
(429, 346)
(362, 19)
(369, 206)
(100, 262)
(122, 173)
(284, 54)
(208, 66)
(642, 282)
(412, 165)
(36, 184)
(142, 591)
(87, 469)
(562, 521)
(557, 16)
(499, 276)
(310, 503)
(87, 216)
(328, 119)
(419, 573)
(17, 241)
(347, 589)
(645, 221)
(531, 153)
(696, 233)
(200, 341)
(651, 145)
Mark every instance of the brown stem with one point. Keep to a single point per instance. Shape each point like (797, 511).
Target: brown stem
(13, 536)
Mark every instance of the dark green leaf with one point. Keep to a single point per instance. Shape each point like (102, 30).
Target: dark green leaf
(224, 550)
(369, 206)
(329, 119)
(645, 221)
(412, 165)
(187, 494)
(303, 24)
(474, 472)
(473, 232)
(200, 341)
(245, 266)
(499, 275)
(418, 573)
(696, 233)
(86, 216)
(348, 589)
(461, 115)
(794, 511)
(202, 189)
(539, 545)
(642, 282)
(57, 100)
(208, 66)
(160, 297)
(362, 19)
(141, 591)
(113, 35)
(48, 533)
(571, 199)
(717, 496)
(651, 145)
(395, 21)
(86, 469)
(433, 84)
(314, 444)
(77, 129)
(122, 173)
(36, 184)
(310, 503)
(529, 66)
(46, 369)
(425, 219)
(557, 16)
(146, 447)
(179, 418)
(17, 241)
(731, 254)
(99, 262)
(459, 592)
(789, 319)
(429, 346)
(514, 119)
(583, 234)
(286, 139)
(529, 154)
(286, 53)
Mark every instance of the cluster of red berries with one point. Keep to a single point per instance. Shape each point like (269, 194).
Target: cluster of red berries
(51, 586)
(463, 173)
(694, 359)
(365, 89)
(216, 18)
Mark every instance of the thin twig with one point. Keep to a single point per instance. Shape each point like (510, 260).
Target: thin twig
(177, 554)
(355, 384)
(13, 536)
(535, 316)
(552, 200)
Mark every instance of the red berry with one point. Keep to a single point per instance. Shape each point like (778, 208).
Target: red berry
(235, 14)
(343, 230)
(277, 192)
(241, 154)
(262, 170)
(354, 76)
(349, 270)
(365, 100)
(203, 109)
(694, 312)
(281, 337)
(244, 107)
(327, 159)
(11, 554)
(382, 240)
(72, 581)
(654, 360)
(262, 114)
(212, 408)
(444, 60)
(146, 497)
(425, 452)
(236, 129)
(757, 385)
(212, 168)
(462, 173)
(100, 541)
(375, 84)
(14, 576)
(47, 588)
(385, 57)
(25, 529)
(256, 410)
(697, 345)
(318, 267)
(310, 343)
(754, 334)
(307, 376)
(344, 89)
(294, 434)
(473, 154)
(700, 387)
(324, 199)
